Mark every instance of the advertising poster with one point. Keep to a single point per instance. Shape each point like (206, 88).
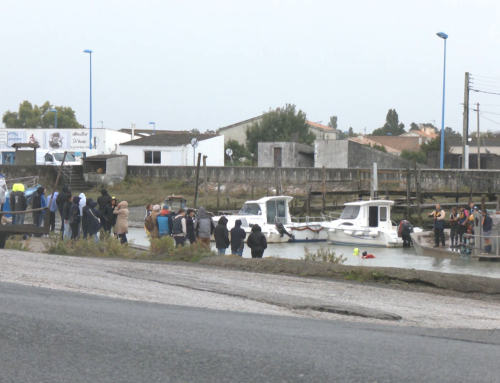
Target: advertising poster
(36, 137)
(16, 137)
(79, 140)
(57, 139)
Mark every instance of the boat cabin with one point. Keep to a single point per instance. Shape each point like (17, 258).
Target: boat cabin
(375, 213)
(270, 210)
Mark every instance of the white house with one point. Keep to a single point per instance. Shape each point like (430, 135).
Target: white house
(76, 141)
(174, 149)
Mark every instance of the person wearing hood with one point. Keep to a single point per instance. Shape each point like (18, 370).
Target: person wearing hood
(93, 220)
(204, 226)
(257, 242)
(179, 230)
(109, 216)
(60, 202)
(191, 233)
(121, 228)
(83, 202)
(18, 202)
(3, 193)
(221, 235)
(102, 201)
(39, 202)
(65, 216)
(85, 217)
(238, 236)
(164, 222)
(154, 232)
(53, 208)
(74, 218)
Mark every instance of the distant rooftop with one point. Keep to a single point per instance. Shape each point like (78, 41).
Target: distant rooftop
(169, 139)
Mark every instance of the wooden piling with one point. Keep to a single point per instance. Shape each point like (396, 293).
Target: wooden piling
(197, 179)
(324, 189)
(206, 179)
(417, 191)
(408, 194)
(218, 195)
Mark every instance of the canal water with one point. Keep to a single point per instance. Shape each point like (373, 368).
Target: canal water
(405, 258)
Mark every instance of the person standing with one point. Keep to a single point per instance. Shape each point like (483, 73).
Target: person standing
(38, 203)
(257, 242)
(153, 217)
(93, 220)
(121, 228)
(3, 193)
(102, 201)
(454, 218)
(238, 236)
(65, 216)
(487, 223)
(18, 202)
(164, 222)
(179, 230)
(191, 234)
(85, 217)
(52, 210)
(438, 215)
(221, 236)
(60, 202)
(109, 216)
(204, 226)
(463, 217)
(75, 218)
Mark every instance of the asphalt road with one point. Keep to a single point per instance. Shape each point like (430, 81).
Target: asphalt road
(53, 336)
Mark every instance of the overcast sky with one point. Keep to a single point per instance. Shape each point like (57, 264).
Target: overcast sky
(209, 64)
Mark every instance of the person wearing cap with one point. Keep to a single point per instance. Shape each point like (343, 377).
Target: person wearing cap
(164, 221)
(439, 216)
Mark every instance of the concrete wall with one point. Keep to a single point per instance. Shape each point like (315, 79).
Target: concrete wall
(291, 156)
(349, 154)
(117, 166)
(323, 135)
(47, 174)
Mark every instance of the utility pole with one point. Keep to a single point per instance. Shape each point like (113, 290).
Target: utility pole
(478, 141)
(465, 133)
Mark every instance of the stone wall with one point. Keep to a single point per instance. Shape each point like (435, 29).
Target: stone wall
(47, 174)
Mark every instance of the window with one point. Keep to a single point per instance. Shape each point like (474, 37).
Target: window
(383, 214)
(250, 209)
(151, 157)
(49, 158)
(350, 212)
(276, 212)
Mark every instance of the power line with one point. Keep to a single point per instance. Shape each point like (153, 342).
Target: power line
(482, 91)
(491, 78)
(498, 123)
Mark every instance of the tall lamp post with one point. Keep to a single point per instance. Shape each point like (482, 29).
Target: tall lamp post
(154, 127)
(55, 111)
(90, 56)
(444, 36)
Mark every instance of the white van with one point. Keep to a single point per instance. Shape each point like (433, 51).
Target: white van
(54, 157)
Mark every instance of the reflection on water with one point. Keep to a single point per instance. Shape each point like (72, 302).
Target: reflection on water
(402, 258)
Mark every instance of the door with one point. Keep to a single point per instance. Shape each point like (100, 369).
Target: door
(373, 216)
(8, 158)
(277, 157)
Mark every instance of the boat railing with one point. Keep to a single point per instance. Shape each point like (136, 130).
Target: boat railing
(307, 219)
(29, 182)
(478, 243)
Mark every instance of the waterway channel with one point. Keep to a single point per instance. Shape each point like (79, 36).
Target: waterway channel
(385, 257)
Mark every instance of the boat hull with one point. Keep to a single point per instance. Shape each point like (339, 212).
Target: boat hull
(307, 232)
(422, 247)
(355, 237)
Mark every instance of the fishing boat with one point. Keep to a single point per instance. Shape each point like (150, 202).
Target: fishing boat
(365, 223)
(272, 214)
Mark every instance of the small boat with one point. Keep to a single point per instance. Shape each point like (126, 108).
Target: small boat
(423, 243)
(272, 214)
(365, 223)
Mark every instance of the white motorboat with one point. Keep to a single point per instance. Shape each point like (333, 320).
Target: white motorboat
(365, 223)
(272, 214)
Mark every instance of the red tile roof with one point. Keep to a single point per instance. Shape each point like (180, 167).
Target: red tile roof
(319, 126)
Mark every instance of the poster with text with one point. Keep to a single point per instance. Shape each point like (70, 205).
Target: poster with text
(79, 140)
(57, 139)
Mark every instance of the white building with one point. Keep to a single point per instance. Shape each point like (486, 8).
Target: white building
(76, 141)
(173, 149)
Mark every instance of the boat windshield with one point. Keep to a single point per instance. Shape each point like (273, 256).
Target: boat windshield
(69, 157)
(350, 212)
(250, 209)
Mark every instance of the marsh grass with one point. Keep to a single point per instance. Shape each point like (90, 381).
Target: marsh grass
(323, 255)
(18, 244)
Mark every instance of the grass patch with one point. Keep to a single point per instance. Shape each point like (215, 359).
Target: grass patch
(366, 277)
(323, 255)
(164, 249)
(18, 244)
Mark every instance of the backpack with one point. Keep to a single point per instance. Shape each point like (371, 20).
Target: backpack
(149, 223)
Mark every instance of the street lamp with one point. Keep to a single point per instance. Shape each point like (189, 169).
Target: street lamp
(444, 36)
(55, 111)
(90, 56)
(154, 127)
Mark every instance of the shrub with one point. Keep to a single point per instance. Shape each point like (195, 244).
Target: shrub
(163, 245)
(323, 255)
(18, 244)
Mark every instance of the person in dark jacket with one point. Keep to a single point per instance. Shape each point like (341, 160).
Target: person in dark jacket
(439, 216)
(18, 202)
(109, 216)
(60, 201)
(257, 242)
(38, 203)
(179, 230)
(204, 226)
(221, 235)
(65, 216)
(84, 217)
(191, 234)
(102, 201)
(238, 236)
(487, 223)
(74, 218)
(93, 221)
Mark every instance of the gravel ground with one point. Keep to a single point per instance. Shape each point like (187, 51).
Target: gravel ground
(190, 285)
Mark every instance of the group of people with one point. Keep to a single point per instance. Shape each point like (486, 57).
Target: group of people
(462, 221)
(199, 227)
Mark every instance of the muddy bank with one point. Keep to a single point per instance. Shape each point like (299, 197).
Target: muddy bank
(453, 282)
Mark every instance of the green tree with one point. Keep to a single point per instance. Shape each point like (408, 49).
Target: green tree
(33, 116)
(434, 145)
(378, 147)
(392, 125)
(414, 126)
(333, 122)
(419, 156)
(239, 151)
(279, 125)
(351, 132)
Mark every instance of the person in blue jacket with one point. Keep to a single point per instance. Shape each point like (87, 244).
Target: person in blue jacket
(164, 222)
